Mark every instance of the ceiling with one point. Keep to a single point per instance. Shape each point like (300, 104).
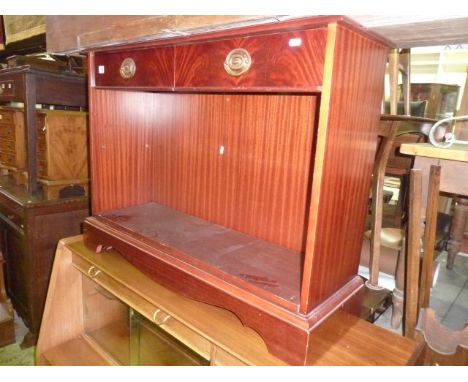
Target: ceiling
(415, 31)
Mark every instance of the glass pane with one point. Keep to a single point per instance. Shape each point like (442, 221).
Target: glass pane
(152, 346)
(106, 321)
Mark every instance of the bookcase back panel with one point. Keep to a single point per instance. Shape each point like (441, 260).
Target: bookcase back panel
(242, 161)
(120, 143)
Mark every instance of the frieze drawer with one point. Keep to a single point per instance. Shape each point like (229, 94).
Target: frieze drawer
(13, 213)
(291, 59)
(7, 131)
(7, 88)
(152, 67)
(6, 116)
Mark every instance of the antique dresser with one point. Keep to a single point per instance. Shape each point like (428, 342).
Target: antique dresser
(42, 153)
(61, 148)
(233, 167)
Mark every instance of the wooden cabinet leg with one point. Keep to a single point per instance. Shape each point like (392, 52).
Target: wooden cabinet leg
(460, 215)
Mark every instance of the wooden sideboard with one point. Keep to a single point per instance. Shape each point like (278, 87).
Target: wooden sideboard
(98, 295)
(234, 167)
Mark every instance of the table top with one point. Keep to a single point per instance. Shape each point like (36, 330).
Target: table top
(456, 152)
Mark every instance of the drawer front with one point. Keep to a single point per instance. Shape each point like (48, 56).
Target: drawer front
(288, 60)
(7, 158)
(7, 131)
(157, 315)
(40, 122)
(7, 145)
(12, 211)
(6, 116)
(41, 152)
(42, 168)
(140, 68)
(7, 88)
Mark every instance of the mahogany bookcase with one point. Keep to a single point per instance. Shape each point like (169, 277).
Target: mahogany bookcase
(234, 167)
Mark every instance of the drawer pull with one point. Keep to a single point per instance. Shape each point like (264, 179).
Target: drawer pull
(93, 271)
(160, 318)
(1, 91)
(127, 68)
(237, 62)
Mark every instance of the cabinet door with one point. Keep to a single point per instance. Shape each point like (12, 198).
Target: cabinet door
(17, 269)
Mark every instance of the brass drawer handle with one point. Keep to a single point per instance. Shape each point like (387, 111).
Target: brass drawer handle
(93, 271)
(127, 68)
(160, 317)
(237, 62)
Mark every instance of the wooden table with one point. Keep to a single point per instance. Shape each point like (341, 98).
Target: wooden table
(454, 180)
(443, 170)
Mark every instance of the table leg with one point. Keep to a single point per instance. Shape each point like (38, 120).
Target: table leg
(413, 254)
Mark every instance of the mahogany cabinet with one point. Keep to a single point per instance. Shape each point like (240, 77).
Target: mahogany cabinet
(234, 167)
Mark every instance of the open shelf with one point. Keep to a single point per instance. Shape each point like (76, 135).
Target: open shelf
(246, 261)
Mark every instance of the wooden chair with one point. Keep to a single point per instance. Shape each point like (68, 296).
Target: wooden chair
(394, 130)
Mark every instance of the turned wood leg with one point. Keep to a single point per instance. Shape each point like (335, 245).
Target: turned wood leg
(460, 215)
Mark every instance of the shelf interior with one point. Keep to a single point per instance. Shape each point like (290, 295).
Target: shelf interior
(248, 261)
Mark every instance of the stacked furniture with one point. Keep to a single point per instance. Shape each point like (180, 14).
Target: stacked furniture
(39, 146)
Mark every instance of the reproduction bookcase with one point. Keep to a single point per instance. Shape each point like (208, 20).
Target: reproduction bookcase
(234, 167)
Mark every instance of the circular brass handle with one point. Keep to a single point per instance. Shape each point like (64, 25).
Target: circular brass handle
(93, 271)
(127, 68)
(160, 318)
(237, 62)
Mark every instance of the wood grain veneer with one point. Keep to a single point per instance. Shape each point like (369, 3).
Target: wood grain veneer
(274, 61)
(346, 146)
(154, 68)
(175, 142)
